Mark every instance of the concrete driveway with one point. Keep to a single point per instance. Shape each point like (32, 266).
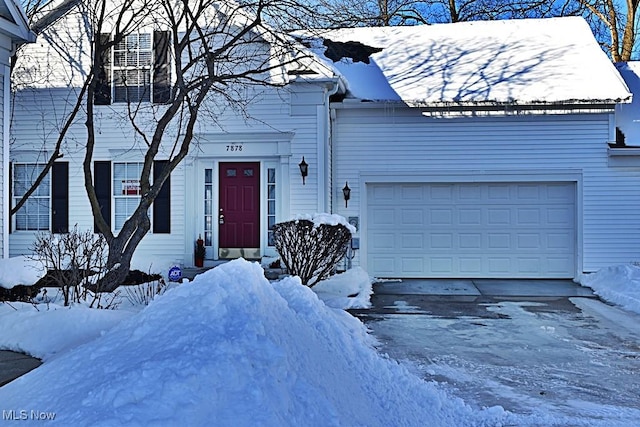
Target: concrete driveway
(547, 348)
(14, 365)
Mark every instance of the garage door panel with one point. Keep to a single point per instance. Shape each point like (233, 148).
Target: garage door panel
(472, 230)
(560, 216)
(413, 265)
(499, 192)
(441, 192)
(412, 217)
(469, 216)
(470, 265)
(470, 241)
(383, 217)
(528, 216)
(382, 241)
(412, 193)
(412, 241)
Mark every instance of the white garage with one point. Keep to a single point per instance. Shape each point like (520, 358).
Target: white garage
(471, 229)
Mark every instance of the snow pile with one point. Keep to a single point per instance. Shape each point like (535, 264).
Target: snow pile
(49, 329)
(325, 218)
(619, 284)
(19, 270)
(351, 289)
(230, 348)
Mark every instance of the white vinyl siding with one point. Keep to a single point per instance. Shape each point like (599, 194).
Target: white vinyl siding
(369, 143)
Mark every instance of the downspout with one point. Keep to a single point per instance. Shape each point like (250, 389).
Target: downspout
(324, 151)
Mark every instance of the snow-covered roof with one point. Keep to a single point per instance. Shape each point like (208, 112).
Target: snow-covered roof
(518, 62)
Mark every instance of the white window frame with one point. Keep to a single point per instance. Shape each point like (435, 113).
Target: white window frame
(125, 191)
(34, 202)
(133, 60)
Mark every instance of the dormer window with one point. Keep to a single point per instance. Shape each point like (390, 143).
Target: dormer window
(135, 70)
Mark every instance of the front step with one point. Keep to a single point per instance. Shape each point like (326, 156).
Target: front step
(191, 272)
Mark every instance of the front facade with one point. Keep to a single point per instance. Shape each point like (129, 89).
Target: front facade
(488, 180)
(241, 176)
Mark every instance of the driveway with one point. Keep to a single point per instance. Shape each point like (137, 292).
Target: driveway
(548, 348)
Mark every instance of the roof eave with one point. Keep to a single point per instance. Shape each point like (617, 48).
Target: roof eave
(593, 105)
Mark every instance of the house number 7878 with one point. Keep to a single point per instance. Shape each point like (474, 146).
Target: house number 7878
(234, 147)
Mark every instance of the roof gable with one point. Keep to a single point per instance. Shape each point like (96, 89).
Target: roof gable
(516, 62)
(13, 22)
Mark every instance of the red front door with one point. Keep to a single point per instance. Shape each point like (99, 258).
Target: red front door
(239, 215)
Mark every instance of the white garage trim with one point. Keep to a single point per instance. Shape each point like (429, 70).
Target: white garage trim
(469, 263)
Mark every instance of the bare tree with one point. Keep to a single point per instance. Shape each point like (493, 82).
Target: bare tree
(213, 50)
(411, 12)
(615, 24)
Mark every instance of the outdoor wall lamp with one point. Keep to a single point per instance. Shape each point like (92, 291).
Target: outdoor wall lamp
(346, 192)
(304, 170)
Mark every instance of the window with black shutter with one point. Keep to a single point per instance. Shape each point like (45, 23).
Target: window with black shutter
(135, 69)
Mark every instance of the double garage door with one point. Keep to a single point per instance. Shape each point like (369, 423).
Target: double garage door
(472, 230)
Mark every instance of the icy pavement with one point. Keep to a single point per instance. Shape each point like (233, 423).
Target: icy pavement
(532, 355)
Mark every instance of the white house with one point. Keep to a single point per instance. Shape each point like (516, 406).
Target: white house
(471, 150)
(481, 150)
(14, 31)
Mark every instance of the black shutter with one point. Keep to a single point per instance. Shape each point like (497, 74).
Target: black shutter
(102, 95)
(102, 184)
(162, 204)
(60, 197)
(161, 74)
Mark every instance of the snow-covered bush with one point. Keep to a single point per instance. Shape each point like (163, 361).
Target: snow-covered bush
(71, 259)
(312, 247)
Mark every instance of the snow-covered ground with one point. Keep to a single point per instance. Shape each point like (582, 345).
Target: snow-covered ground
(231, 348)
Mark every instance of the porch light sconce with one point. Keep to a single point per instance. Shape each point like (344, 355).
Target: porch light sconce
(304, 170)
(346, 192)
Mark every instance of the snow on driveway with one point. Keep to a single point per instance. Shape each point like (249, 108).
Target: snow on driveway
(576, 358)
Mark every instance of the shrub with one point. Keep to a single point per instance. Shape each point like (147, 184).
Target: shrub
(70, 260)
(311, 251)
(144, 293)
